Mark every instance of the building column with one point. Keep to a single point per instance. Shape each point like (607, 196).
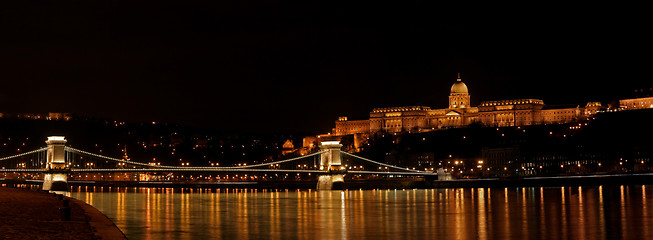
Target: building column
(330, 159)
(331, 163)
(56, 176)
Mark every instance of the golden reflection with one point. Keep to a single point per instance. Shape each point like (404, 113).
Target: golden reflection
(460, 213)
(301, 214)
(184, 221)
(524, 211)
(506, 209)
(429, 222)
(343, 217)
(121, 208)
(623, 213)
(148, 214)
(542, 214)
(489, 199)
(168, 211)
(581, 213)
(563, 215)
(645, 212)
(601, 213)
(243, 212)
(505, 193)
(458, 218)
(359, 210)
(377, 214)
(482, 221)
(89, 198)
(275, 216)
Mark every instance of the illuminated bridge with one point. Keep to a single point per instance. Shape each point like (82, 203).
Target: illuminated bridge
(57, 161)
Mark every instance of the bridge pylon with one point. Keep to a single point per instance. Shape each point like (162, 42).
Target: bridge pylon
(56, 177)
(331, 163)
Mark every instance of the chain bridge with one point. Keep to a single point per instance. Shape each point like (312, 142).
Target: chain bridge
(56, 162)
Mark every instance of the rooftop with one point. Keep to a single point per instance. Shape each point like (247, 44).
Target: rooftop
(511, 102)
(400, 109)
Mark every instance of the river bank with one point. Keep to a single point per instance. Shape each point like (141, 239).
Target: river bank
(28, 214)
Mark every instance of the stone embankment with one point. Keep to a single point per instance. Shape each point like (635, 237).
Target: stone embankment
(27, 214)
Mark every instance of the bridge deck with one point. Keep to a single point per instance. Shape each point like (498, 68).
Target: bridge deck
(145, 170)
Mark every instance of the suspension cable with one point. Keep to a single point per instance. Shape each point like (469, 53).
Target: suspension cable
(25, 153)
(176, 167)
(272, 163)
(113, 159)
(382, 164)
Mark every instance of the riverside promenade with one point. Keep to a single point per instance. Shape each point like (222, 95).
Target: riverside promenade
(27, 214)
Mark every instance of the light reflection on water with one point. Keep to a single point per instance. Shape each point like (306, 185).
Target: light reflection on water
(471, 213)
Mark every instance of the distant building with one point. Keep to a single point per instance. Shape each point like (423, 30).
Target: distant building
(288, 147)
(636, 103)
(498, 158)
(37, 116)
(460, 113)
(59, 116)
(201, 143)
(309, 142)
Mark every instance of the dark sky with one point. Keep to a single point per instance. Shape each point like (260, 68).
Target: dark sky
(275, 66)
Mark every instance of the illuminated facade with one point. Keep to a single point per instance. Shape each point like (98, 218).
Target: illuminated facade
(460, 113)
(37, 116)
(636, 103)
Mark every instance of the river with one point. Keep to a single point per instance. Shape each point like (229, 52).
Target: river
(601, 212)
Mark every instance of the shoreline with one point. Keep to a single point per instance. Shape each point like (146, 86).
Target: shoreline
(548, 181)
(398, 183)
(29, 214)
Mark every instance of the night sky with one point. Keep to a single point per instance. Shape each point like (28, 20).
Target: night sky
(272, 66)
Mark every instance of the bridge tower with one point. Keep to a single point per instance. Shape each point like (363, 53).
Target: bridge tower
(331, 162)
(56, 177)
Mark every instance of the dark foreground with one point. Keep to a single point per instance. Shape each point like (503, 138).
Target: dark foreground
(35, 215)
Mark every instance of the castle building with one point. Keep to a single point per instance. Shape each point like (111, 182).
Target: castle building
(636, 103)
(460, 113)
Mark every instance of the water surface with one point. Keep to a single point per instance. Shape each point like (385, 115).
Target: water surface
(616, 212)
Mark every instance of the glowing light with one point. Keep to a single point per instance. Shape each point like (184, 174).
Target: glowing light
(56, 138)
(331, 143)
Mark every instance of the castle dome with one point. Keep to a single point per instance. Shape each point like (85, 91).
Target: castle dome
(459, 86)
